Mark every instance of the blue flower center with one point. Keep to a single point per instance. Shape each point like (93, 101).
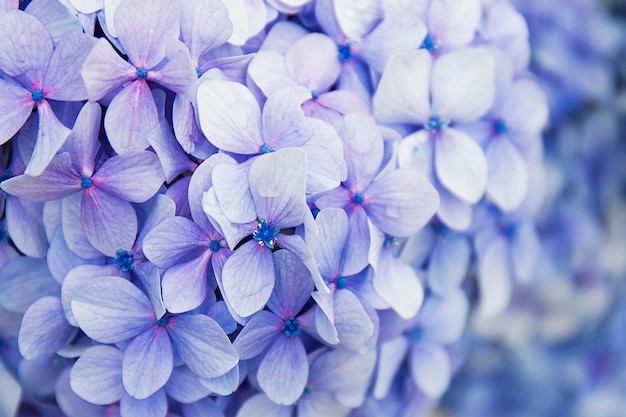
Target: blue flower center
(344, 52)
(315, 211)
(291, 328)
(358, 198)
(391, 241)
(123, 260)
(214, 245)
(499, 127)
(142, 73)
(429, 44)
(416, 334)
(511, 231)
(85, 182)
(314, 94)
(266, 234)
(441, 230)
(162, 321)
(341, 282)
(265, 148)
(199, 72)
(37, 95)
(435, 123)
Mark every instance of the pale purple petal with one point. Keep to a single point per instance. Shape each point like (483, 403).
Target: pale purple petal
(172, 240)
(71, 403)
(525, 251)
(280, 198)
(298, 247)
(25, 47)
(357, 243)
(284, 371)
(97, 375)
(104, 70)
(230, 116)
(248, 278)
(24, 281)
(227, 383)
(390, 358)
(495, 278)
(145, 31)
(147, 363)
(109, 223)
(24, 222)
(261, 406)
(449, 263)
(454, 23)
(111, 310)
(507, 184)
(57, 18)
(463, 84)
(461, 165)
(312, 62)
(153, 406)
(333, 230)
(342, 370)
(44, 329)
(173, 159)
(177, 74)
(230, 182)
(16, 105)
(526, 107)
(134, 176)
(186, 129)
(324, 152)
(184, 386)
(403, 93)
(75, 237)
(431, 369)
(196, 33)
(443, 319)
(363, 150)
(456, 214)
(202, 408)
(202, 344)
(283, 121)
(51, 135)
(262, 329)
(82, 144)
(293, 286)
(131, 116)
(351, 320)
(185, 285)
(357, 19)
(269, 72)
(200, 182)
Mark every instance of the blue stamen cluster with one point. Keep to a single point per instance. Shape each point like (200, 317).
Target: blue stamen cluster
(123, 260)
(291, 328)
(265, 233)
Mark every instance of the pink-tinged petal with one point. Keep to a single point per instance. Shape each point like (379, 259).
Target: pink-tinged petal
(147, 363)
(495, 278)
(312, 62)
(185, 285)
(230, 116)
(284, 123)
(324, 152)
(261, 406)
(63, 80)
(109, 223)
(280, 198)
(526, 107)
(172, 240)
(431, 369)
(24, 222)
(97, 375)
(104, 70)
(145, 31)
(333, 230)
(24, 281)
(402, 95)
(269, 72)
(76, 278)
(449, 263)
(401, 202)
(196, 33)
(185, 387)
(173, 159)
(82, 144)
(454, 23)
(203, 408)
(363, 150)
(456, 214)
(44, 329)
(293, 286)
(51, 135)
(131, 116)
(16, 105)
(339, 197)
(392, 36)
(134, 176)
(284, 371)
(507, 185)
(525, 251)
(248, 278)
(390, 358)
(177, 74)
(351, 320)
(25, 47)
(230, 182)
(258, 333)
(75, 237)
(111, 310)
(463, 84)
(394, 281)
(461, 165)
(153, 406)
(202, 344)
(298, 247)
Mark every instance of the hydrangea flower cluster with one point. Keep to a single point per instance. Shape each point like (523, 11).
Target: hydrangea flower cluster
(258, 208)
